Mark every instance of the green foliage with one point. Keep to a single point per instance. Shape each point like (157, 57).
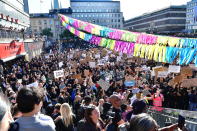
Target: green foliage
(47, 32)
(66, 34)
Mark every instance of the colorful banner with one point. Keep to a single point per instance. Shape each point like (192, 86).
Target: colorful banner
(11, 50)
(123, 35)
(167, 49)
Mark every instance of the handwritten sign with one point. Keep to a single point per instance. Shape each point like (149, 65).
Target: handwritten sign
(58, 73)
(104, 84)
(189, 82)
(60, 64)
(162, 74)
(186, 71)
(174, 69)
(92, 64)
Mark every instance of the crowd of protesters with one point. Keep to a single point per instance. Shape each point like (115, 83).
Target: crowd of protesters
(71, 103)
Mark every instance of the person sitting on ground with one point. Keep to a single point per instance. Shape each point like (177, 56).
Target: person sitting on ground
(29, 101)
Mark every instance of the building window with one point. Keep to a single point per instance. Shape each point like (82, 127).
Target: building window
(118, 20)
(39, 22)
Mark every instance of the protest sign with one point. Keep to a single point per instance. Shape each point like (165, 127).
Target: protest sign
(86, 73)
(162, 74)
(104, 84)
(58, 73)
(193, 67)
(60, 64)
(118, 58)
(97, 56)
(35, 84)
(46, 56)
(174, 69)
(189, 82)
(77, 76)
(186, 71)
(92, 64)
(129, 83)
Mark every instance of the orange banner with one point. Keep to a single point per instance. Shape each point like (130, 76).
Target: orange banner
(11, 49)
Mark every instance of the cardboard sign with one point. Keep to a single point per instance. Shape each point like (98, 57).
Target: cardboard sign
(174, 69)
(60, 64)
(78, 76)
(83, 61)
(189, 82)
(193, 67)
(105, 85)
(58, 73)
(186, 71)
(86, 73)
(162, 74)
(92, 64)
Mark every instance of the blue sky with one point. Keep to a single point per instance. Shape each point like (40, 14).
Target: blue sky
(130, 8)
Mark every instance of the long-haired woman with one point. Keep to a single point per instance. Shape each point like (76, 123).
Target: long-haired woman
(65, 122)
(92, 121)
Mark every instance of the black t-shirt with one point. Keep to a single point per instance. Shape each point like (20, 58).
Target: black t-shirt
(60, 126)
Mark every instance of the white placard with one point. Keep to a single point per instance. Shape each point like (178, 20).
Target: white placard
(60, 64)
(83, 55)
(152, 73)
(118, 58)
(162, 74)
(92, 64)
(174, 69)
(35, 84)
(58, 73)
(97, 56)
(104, 84)
(46, 56)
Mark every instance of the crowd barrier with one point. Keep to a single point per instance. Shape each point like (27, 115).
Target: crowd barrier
(167, 115)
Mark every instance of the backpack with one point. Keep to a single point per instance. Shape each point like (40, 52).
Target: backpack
(14, 126)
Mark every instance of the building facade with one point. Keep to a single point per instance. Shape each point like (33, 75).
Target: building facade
(101, 12)
(26, 6)
(191, 17)
(165, 21)
(41, 21)
(13, 23)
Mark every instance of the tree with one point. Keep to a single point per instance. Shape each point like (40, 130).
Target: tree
(66, 34)
(47, 32)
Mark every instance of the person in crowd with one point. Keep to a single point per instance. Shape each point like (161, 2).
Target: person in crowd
(157, 100)
(100, 105)
(15, 112)
(29, 102)
(193, 101)
(5, 114)
(67, 120)
(56, 111)
(91, 121)
(116, 108)
(87, 102)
